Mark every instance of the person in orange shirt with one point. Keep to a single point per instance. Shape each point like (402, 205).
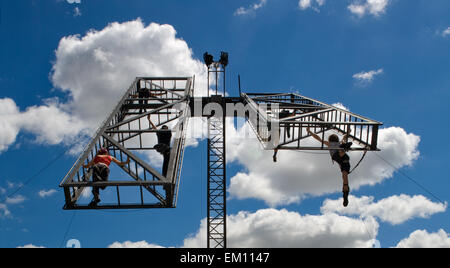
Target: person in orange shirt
(100, 167)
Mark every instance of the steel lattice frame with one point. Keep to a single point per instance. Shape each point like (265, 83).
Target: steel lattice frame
(216, 205)
(125, 133)
(306, 112)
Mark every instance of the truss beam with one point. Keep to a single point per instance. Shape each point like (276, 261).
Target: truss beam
(126, 132)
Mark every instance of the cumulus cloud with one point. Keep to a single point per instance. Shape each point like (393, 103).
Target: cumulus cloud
(8, 123)
(99, 67)
(365, 78)
(395, 209)
(297, 175)
(95, 70)
(49, 123)
(45, 193)
(252, 8)
(372, 7)
(74, 1)
(129, 244)
(423, 239)
(313, 4)
(272, 228)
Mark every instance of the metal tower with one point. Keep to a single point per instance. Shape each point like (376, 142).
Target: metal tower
(217, 178)
(279, 121)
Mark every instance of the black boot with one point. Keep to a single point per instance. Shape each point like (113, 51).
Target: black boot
(345, 194)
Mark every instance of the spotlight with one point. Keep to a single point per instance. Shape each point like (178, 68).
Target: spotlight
(209, 59)
(224, 58)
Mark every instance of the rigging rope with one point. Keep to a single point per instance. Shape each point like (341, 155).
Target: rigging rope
(48, 165)
(362, 158)
(411, 179)
(68, 229)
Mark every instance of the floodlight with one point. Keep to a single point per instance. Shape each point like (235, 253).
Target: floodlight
(209, 59)
(224, 58)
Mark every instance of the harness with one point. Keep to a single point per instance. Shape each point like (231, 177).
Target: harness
(359, 162)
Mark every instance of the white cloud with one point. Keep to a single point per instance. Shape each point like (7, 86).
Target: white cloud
(272, 228)
(252, 8)
(373, 7)
(110, 59)
(8, 123)
(18, 199)
(30, 246)
(367, 77)
(10, 201)
(74, 1)
(49, 123)
(4, 211)
(423, 239)
(45, 193)
(95, 70)
(129, 244)
(395, 209)
(446, 32)
(297, 175)
(314, 4)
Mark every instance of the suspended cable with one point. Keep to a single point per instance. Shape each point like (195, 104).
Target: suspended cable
(411, 179)
(359, 162)
(365, 225)
(68, 229)
(30, 179)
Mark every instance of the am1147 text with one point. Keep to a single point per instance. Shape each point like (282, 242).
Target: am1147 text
(227, 257)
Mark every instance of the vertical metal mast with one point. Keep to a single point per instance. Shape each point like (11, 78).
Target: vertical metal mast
(216, 206)
(216, 184)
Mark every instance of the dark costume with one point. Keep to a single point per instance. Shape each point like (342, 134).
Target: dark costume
(163, 147)
(143, 94)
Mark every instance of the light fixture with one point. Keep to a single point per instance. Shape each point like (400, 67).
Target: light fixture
(208, 58)
(224, 59)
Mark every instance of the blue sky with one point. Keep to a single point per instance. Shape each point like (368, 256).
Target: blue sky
(385, 59)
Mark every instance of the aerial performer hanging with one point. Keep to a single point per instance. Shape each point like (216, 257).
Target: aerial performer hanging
(339, 156)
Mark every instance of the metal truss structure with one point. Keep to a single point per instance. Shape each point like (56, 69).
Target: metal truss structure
(284, 117)
(279, 120)
(126, 133)
(217, 186)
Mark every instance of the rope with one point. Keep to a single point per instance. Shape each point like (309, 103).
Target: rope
(68, 229)
(33, 177)
(48, 165)
(411, 179)
(362, 158)
(369, 234)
